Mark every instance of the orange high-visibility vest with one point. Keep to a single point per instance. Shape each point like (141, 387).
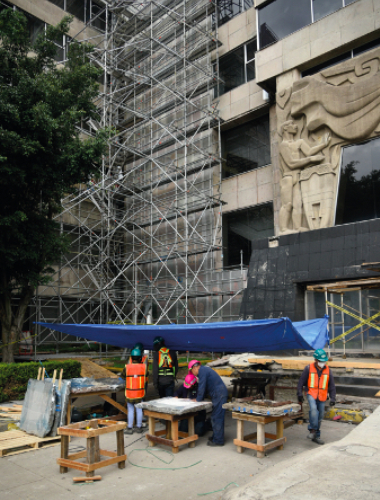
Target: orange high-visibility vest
(318, 386)
(135, 377)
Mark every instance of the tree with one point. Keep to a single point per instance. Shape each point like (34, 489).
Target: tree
(42, 157)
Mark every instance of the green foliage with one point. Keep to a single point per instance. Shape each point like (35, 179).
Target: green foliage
(42, 156)
(14, 377)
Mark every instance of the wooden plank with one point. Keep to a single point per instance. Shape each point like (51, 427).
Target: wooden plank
(152, 425)
(164, 432)
(191, 427)
(107, 453)
(260, 448)
(159, 440)
(79, 454)
(260, 440)
(175, 436)
(280, 431)
(64, 453)
(117, 405)
(105, 463)
(249, 417)
(299, 364)
(158, 415)
(240, 434)
(120, 447)
(277, 443)
(91, 454)
(86, 479)
(64, 463)
(170, 442)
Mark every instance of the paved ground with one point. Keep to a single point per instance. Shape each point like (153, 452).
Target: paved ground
(35, 475)
(342, 470)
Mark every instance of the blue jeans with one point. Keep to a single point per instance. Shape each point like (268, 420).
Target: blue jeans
(217, 419)
(317, 410)
(131, 415)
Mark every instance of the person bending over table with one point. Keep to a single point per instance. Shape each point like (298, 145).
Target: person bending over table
(211, 383)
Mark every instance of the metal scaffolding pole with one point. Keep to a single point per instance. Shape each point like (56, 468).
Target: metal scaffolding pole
(146, 236)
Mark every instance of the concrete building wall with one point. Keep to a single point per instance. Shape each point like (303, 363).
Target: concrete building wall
(322, 40)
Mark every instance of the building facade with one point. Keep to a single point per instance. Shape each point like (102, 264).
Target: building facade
(243, 181)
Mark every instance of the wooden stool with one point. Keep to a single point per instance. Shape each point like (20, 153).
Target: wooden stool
(261, 447)
(91, 430)
(172, 433)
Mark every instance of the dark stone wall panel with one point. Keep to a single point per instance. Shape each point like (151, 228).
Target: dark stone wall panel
(278, 276)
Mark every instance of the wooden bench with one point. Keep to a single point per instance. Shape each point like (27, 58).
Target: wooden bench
(91, 430)
(173, 437)
(277, 440)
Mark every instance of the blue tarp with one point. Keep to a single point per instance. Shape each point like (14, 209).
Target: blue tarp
(234, 336)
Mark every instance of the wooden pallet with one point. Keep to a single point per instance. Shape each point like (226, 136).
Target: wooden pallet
(14, 442)
(10, 414)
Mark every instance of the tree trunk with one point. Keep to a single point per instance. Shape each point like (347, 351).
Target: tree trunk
(12, 321)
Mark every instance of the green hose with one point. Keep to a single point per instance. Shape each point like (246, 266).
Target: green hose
(215, 491)
(150, 451)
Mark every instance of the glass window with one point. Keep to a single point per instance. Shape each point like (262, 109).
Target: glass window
(76, 8)
(280, 18)
(242, 227)
(100, 21)
(359, 184)
(322, 8)
(246, 147)
(227, 9)
(35, 25)
(231, 70)
(237, 67)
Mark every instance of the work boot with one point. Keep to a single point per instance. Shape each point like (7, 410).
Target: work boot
(318, 440)
(311, 435)
(128, 431)
(139, 430)
(212, 443)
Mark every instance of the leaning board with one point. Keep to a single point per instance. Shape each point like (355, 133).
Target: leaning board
(13, 442)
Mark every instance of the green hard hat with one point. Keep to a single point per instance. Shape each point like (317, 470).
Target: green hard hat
(139, 346)
(136, 353)
(158, 340)
(320, 355)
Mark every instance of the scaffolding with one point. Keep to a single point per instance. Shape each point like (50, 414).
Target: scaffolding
(146, 235)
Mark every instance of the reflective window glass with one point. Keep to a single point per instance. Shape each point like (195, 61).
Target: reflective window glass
(280, 18)
(347, 2)
(35, 25)
(359, 184)
(242, 227)
(76, 8)
(246, 147)
(323, 8)
(251, 50)
(231, 70)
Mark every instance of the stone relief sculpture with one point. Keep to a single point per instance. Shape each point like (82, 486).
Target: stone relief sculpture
(316, 117)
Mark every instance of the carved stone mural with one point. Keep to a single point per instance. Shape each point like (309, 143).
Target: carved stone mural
(316, 116)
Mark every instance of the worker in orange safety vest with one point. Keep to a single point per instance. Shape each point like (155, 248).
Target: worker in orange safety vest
(319, 382)
(136, 373)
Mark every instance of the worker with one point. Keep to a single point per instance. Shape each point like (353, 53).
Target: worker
(136, 373)
(165, 368)
(319, 382)
(211, 383)
(189, 390)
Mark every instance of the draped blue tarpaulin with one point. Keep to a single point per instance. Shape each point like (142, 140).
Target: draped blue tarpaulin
(233, 336)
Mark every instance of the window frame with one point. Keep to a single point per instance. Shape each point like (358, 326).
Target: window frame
(312, 20)
(243, 9)
(246, 63)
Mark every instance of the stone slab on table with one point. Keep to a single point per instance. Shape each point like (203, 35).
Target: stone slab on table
(174, 406)
(89, 385)
(273, 411)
